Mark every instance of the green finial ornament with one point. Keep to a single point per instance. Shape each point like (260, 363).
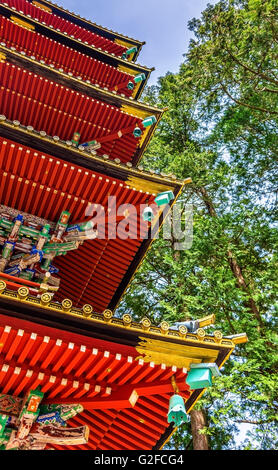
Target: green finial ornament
(139, 78)
(149, 121)
(148, 214)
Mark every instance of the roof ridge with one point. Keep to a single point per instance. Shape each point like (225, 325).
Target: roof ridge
(107, 317)
(123, 62)
(90, 22)
(136, 170)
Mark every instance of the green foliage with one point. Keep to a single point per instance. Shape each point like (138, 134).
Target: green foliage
(221, 129)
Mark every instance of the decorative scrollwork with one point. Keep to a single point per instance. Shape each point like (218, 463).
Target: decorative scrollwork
(3, 286)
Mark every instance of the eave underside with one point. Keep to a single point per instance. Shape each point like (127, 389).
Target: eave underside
(58, 23)
(108, 33)
(44, 186)
(78, 368)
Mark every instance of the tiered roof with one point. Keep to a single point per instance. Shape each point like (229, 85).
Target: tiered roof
(15, 10)
(98, 114)
(61, 75)
(100, 30)
(45, 185)
(108, 365)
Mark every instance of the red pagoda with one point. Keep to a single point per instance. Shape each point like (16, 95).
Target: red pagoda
(73, 375)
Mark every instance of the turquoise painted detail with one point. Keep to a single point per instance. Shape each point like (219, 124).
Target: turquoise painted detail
(199, 378)
(200, 375)
(177, 413)
(128, 52)
(149, 121)
(164, 198)
(137, 132)
(148, 214)
(140, 77)
(3, 421)
(130, 86)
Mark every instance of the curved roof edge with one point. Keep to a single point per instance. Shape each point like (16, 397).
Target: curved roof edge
(88, 24)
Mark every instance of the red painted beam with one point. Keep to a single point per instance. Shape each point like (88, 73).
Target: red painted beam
(124, 397)
(118, 400)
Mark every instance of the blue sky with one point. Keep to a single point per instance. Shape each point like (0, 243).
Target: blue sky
(161, 23)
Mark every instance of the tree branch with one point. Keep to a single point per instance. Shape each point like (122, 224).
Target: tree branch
(241, 103)
(254, 72)
(260, 421)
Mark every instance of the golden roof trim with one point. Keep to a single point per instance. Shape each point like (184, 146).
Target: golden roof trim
(110, 31)
(170, 180)
(129, 104)
(107, 317)
(99, 50)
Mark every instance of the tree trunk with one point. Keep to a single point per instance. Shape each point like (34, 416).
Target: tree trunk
(198, 423)
(236, 270)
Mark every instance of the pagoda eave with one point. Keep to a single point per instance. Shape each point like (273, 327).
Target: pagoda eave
(126, 336)
(105, 32)
(88, 50)
(114, 329)
(114, 99)
(60, 149)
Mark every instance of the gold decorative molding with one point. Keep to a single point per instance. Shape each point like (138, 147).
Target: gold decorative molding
(45, 298)
(164, 327)
(41, 6)
(140, 113)
(87, 310)
(66, 305)
(210, 319)
(183, 340)
(108, 315)
(23, 292)
(3, 286)
(173, 354)
(217, 335)
(127, 319)
(146, 186)
(22, 23)
(241, 338)
(127, 69)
